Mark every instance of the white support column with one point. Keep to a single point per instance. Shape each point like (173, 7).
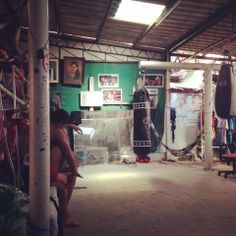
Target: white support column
(91, 89)
(39, 117)
(167, 112)
(208, 155)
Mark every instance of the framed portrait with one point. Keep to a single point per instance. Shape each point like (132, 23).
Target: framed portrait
(154, 80)
(108, 80)
(73, 70)
(112, 96)
(53, 71)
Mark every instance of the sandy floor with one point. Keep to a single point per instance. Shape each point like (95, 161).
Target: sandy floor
(155, 199)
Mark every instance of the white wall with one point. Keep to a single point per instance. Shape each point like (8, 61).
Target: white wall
(188, 113)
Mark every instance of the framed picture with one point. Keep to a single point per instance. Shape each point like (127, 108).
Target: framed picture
(153, 94)
(53, 71)
(154, 80)
(73, 70)
(108, 80)
(112, 96)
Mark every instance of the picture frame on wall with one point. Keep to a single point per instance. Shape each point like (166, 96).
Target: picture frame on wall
(112, 96)
(153, 94)
(53, 71)
(73, 68)
(108, 80)
(154, 80)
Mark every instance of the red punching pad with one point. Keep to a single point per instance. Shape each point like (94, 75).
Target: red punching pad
(142, 125)
(223, 92)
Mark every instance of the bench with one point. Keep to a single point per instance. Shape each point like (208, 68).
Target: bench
(229, 158)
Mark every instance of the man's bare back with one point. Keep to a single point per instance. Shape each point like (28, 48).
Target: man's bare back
(61, 151)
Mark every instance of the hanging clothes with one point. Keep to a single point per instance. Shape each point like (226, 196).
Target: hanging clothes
(222, 126)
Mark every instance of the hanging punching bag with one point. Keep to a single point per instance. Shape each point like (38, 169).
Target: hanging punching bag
(142, 125)
(223, 92)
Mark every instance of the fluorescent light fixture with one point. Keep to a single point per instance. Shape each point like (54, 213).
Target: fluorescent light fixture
(138, 12)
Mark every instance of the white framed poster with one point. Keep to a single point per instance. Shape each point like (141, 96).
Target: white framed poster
(154, 80)
(108, 80)
(112, 96)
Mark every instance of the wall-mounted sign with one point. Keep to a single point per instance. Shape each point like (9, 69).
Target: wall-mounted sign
(154, 80)
(112, 96)
(91, 99)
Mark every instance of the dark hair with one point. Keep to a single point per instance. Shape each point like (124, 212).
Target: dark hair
(74, 63)
(60, 116)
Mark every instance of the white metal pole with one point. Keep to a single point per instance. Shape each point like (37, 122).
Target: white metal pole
(174, 65)
(91, 89)
(208, 155)
(167, 111)
(39, 117)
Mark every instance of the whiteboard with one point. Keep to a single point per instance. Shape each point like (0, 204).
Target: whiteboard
(91, 99)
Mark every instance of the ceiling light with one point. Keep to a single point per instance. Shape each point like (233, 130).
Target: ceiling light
(138, 12)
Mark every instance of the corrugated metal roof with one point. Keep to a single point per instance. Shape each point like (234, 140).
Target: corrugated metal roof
(188, 25)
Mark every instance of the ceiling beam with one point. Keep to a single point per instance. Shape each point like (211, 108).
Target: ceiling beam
(109, 50)
(219, 14)
(104, 21)
(169, 9)
(211, 46)
(187, 56)
(173, 65)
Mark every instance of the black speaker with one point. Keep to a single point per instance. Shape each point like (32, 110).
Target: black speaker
(76, 117)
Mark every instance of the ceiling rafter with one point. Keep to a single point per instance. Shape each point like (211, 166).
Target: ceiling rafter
(211, 46)
(191, 27)
(104, 21)
(108, 49)
(182, 55)
(210, 21)
(169, 9)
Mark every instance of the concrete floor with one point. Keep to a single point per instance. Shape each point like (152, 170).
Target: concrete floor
(155, 199)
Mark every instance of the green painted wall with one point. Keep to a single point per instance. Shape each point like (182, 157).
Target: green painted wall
(128, 74)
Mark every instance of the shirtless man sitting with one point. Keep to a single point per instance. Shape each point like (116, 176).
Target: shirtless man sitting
(61, 153)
